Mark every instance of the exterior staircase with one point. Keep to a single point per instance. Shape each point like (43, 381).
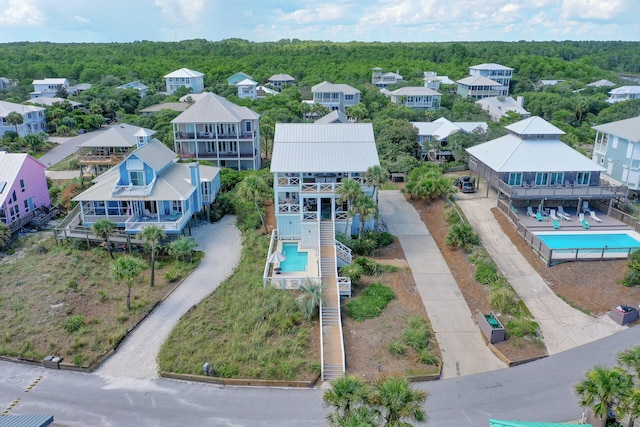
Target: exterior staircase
(333, 360)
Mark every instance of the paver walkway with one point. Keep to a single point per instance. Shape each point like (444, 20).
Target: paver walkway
(562, 326)
(463, 348)
(137, 356)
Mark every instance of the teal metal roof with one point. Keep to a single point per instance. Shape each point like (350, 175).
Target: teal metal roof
(497, 423)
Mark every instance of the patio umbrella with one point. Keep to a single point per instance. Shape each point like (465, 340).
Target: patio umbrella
(277, 258)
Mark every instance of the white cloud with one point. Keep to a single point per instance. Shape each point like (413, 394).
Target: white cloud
(81, 19)
(328, 13)
(181, 10)
(510, 8)
(21, 13)
(592, 9)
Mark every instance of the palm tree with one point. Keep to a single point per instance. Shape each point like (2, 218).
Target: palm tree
(152, 235)
(398, 401)
(183, 248)
(603, 391)
(376, 176)
(346, 395)
(15, 118)
(103, 229)
(630, 360)
(127, 269)
(366, 209)
(348, 192)
(311, 298)
(254, 188)
(5, 235)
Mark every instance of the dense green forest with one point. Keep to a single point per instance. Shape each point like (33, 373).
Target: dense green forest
(568, 105)
(311, 62)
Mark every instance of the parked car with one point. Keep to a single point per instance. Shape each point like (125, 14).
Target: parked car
(466, 184)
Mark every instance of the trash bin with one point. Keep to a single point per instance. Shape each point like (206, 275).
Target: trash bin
(623, 314)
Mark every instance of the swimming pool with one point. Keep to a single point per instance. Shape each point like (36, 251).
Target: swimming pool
(590, 241)
(296, 261)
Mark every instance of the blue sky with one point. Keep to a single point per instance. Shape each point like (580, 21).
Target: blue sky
(344, 20)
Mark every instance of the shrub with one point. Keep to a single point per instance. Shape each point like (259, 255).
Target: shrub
(522, 328)
(451, 216)
(427, 357)
(503, 300)
(632, 277)
(374, 299)
(486, 273)
(397, 348)
(462, 236)
(171, 275)
(74, 323)
(353, 271)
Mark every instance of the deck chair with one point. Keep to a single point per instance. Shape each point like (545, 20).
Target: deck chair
(585, 224)
(556, 224)
(530, 212)
(552, 215)
(593, 216)
(539, 216)
(580, 217)
(562, 214)
(585, 207)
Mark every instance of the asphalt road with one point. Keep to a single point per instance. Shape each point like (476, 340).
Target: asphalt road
(537, 391)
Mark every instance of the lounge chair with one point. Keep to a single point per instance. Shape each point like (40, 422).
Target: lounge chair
(562, 214)
(539, 216)
(556, 224)
(514, 210)
(583, 221)
(585, 207)
(552, 215)
(593, 216)
(530, 212)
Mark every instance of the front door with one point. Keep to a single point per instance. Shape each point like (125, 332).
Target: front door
(325, 208)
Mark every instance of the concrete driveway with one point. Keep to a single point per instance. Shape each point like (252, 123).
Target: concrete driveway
(562, 326)
(463, 348)
(137, 355)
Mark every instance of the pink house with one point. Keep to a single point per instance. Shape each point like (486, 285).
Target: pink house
(23, 188)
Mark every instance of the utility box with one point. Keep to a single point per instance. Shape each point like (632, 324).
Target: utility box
(491, 327)
(623, 314)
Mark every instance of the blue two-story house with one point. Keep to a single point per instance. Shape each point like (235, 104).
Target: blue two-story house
(150, 187)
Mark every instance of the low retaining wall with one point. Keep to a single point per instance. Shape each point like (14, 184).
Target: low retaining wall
(241, 382)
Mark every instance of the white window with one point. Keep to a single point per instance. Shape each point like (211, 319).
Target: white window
(136, 178)
(542, 178)
(515, 178)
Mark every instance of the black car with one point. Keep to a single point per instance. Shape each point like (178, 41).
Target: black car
(466, 184)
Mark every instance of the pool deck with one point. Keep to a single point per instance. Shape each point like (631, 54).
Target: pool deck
(606, 224)
(312, 263)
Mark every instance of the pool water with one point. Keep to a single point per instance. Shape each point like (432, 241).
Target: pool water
(296, 261)
(588, 240)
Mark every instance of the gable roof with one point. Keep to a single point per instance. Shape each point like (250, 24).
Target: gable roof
(133, 85)
(336, 116)
(335, 147)
(332, 87)
(534, 126)
(512, 153)
(184, 72)
(478, 81)
(155, 154)
(489, 66)
(281, 78)
(50, 81)
(173, 183)
(442, 128)
(10, 166)
(9, 107)
(600, 83)
(212, 108)
(415, 91)
(246, 82)
(628, 129)
(120, 135)
(622, 90)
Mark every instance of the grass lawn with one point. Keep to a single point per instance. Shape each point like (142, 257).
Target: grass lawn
(245, 330)
(63, 301)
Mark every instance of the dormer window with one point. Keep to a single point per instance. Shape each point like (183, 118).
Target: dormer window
(135, 168)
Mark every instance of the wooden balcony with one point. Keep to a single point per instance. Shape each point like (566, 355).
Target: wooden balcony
(93, 159)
